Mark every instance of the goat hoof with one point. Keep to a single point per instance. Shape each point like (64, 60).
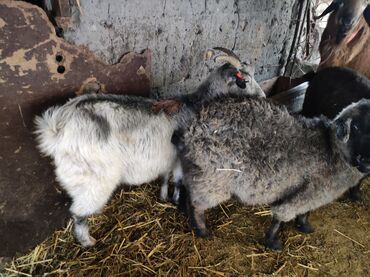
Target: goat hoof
(88, 242)
(355, 195)
(355, 199)
(176, 197)
(275, 245)
(305, 228)
(162, 200)
(163, 197)
(175, 201)
(203, 233)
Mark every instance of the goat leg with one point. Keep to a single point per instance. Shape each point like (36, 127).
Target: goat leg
(355, 193)
(164, 187)
(178, 176)
(197, 221)
(81, 231)
(302, 224)
(271, 240)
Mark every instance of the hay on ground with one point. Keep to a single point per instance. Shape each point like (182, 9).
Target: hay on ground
(139, 235)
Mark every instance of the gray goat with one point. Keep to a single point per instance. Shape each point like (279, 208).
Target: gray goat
(255, 151)
(100, 141)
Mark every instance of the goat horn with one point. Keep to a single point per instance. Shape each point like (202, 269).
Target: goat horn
(209, 54)
(230, 59)
(229, 56)
(227, 51)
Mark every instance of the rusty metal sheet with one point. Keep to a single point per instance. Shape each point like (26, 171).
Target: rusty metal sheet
(38, 69)
(34, 60)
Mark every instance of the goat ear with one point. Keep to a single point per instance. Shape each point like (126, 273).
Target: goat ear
(325, 121)
(366, 15)
(343, 129)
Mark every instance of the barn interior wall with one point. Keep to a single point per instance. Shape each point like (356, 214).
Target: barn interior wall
(179, 31)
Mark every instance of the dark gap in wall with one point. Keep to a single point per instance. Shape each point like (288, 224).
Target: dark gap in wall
(35, 2)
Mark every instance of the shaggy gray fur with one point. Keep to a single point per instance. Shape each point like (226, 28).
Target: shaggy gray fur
(257, 152)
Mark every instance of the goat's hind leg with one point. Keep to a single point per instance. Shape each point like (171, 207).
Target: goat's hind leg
(81, 231)
(177, 139)
(178, 176)
(354, 193)
(88, 201)
(302, 224)
(164, 187)
(197, 220)
(199, 200)
(272, 240)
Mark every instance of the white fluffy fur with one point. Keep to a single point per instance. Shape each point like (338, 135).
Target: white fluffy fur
(137, 150)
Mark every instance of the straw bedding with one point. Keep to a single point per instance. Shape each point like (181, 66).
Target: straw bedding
(140, 236)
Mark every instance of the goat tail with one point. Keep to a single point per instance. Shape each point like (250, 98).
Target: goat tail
(47, 129)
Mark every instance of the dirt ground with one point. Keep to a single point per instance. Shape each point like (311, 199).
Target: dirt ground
(138, 235)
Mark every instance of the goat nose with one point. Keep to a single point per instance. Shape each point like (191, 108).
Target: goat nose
(241, 83)
(363, 164)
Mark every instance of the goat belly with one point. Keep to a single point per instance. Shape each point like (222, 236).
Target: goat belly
(146, 166)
